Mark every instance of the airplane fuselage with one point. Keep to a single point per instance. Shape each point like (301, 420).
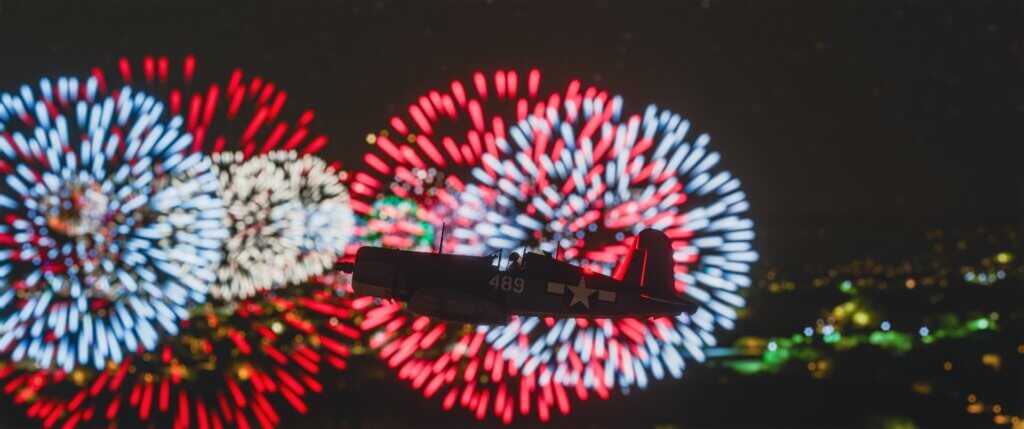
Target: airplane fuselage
(474, 290)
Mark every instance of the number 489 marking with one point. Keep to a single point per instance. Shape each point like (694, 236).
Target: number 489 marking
(508, 283)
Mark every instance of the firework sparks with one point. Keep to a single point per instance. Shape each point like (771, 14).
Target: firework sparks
(446, 135)
(399, 223)
(236, 360)
(243, 113)
(240, 365)
(580, 181)
(111, 229)
(289, 218)
(578, 178)
(445, 132)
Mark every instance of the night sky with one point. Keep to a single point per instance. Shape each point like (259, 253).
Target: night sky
(853, 111)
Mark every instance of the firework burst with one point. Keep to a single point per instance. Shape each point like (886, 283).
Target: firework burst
(577, 178)
(399, 223)
(581, 182)
(237, 359)
(241, 113)
(418, 166)
(240, 365)
(451, 133)
(289, 218)
(445, 133)
(111, 229)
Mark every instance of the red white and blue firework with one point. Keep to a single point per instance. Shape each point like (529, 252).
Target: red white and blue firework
(247, 365)
(245, 118)
(111, 228)
(581, 182)
(445, 134)
(237, 361)
(579, 178)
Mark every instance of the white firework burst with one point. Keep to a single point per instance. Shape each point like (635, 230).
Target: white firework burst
(582, 181)
(289, 218)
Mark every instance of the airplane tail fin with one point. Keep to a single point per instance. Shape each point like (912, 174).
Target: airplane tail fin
(650, 264)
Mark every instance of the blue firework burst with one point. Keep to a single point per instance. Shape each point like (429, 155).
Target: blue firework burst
(581, 180)
(110, 229)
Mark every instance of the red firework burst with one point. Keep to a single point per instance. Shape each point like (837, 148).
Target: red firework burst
(243, 113)
(229, 366)
(426, 156)
(232, 366)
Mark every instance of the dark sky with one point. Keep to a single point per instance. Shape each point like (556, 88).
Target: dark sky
(879, 110)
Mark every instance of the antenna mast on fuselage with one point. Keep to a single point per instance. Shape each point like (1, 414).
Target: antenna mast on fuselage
(440, 245)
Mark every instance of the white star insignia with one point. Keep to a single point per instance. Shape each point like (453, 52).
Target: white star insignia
(581, 293)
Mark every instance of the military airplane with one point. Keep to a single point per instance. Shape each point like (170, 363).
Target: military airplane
(474, 289)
